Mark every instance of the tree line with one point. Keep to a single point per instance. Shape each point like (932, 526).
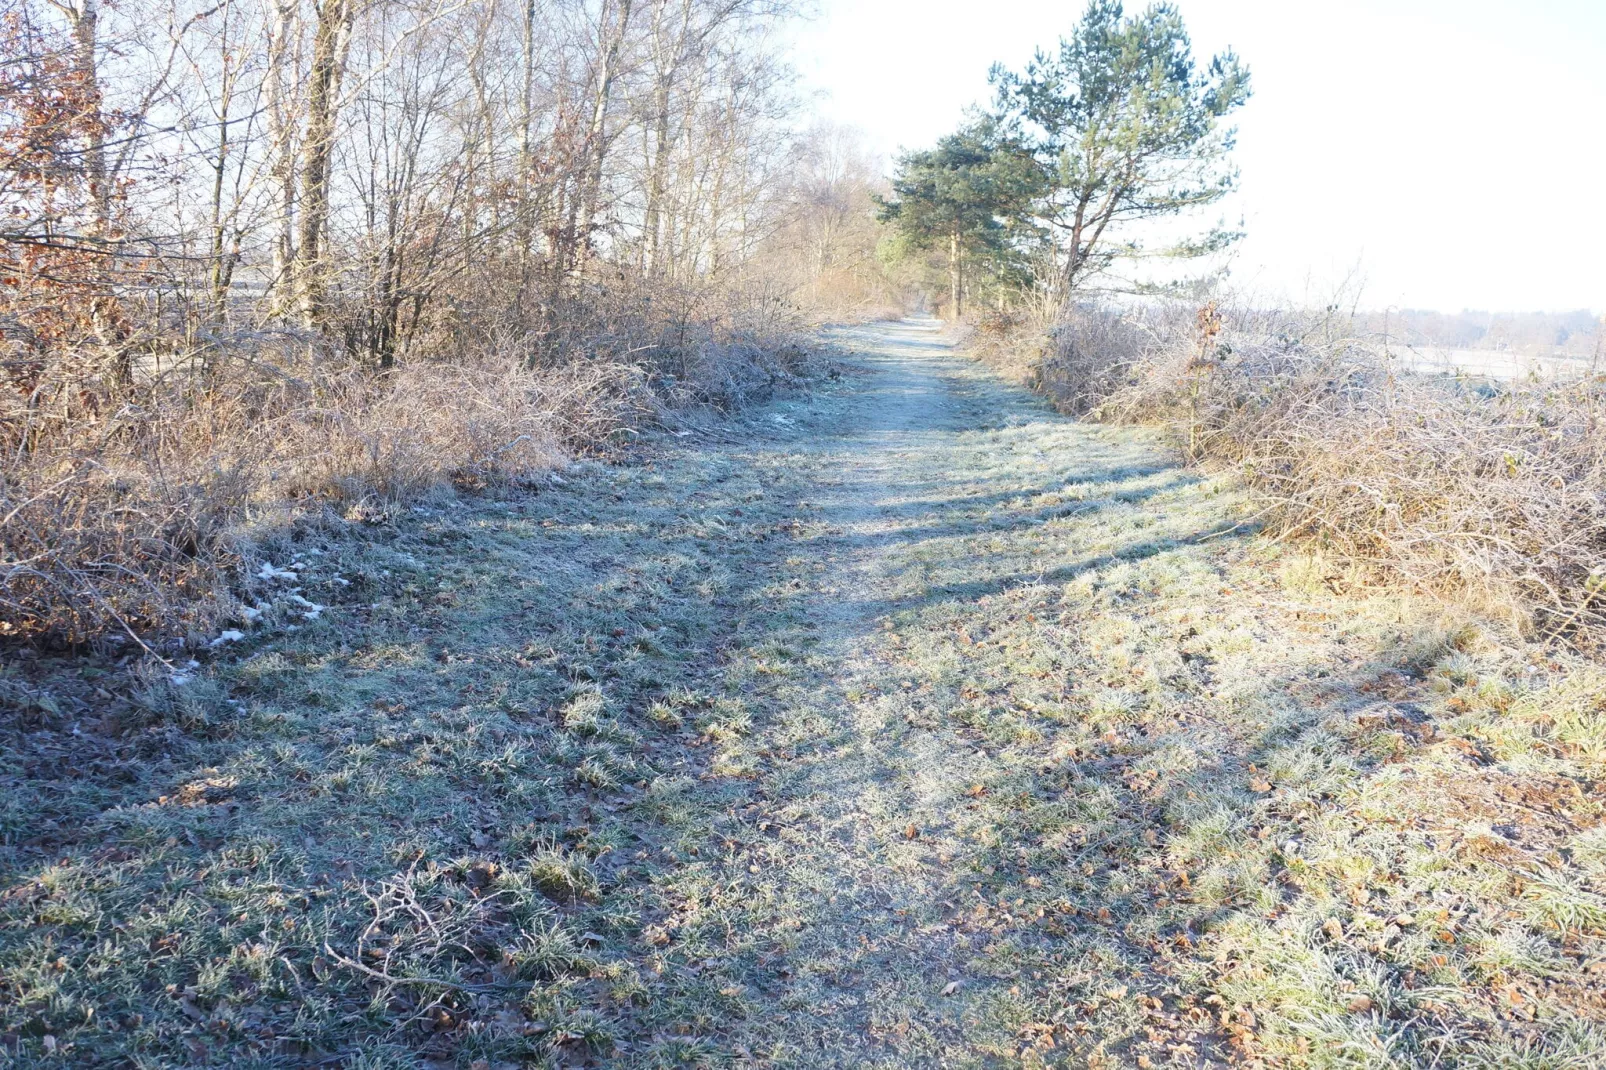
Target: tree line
(1082, 167)
(378, 171)
(297, 258)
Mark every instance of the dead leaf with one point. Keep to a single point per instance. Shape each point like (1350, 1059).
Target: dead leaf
(950, 988)
(1360, 1004)
(1260, 785)
(911, 832)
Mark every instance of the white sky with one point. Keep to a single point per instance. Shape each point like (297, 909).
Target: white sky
(1453, 150)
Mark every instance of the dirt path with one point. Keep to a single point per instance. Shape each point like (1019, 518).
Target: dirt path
(898, 723)
(886, 914)
(1071, 771)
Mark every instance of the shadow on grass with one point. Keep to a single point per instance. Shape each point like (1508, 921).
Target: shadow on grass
(444, 765)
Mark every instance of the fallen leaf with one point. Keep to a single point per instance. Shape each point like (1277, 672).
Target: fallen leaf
(950, 988)
(1260, 785)
(911, 832)
(1360, 1004)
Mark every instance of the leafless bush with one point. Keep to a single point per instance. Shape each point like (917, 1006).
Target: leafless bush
(1492, 493)
(1078, 360)
(121, 510)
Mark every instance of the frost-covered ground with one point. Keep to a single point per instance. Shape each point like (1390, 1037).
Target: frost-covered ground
(1486, 363)
(902, 724)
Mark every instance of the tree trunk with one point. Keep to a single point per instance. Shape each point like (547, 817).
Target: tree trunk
(596, 137)
(657, 172)
(652, 223)
(222, 265)
(526, 225)
(84, 16)
(281, 138)
(330, 43)
(955, 282)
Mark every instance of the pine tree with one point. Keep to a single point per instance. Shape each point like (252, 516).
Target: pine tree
(1127, 129)
(965, 196)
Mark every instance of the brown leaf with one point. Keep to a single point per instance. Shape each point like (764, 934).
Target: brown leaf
(1360, 1004)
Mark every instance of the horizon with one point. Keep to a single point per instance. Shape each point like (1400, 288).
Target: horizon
(1377, 174)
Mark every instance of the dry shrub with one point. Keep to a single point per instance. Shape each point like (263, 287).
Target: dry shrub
(1491, 493)
(127, 519)
(122, 508)
(686, 345)
(1076, 361)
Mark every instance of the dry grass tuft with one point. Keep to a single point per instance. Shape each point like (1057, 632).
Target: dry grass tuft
(122, 507)
(1490, 493)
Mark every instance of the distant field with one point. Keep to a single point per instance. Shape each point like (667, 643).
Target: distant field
(1493, 363)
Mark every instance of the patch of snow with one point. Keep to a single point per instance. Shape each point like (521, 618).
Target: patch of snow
(313, 609)
(232, 635)
(270, 572)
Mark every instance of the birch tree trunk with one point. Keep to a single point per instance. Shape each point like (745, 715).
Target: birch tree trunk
(596, 137)
(526, 161)
(280, 82)
(657, 172)
(330, 45)
(222, 266)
